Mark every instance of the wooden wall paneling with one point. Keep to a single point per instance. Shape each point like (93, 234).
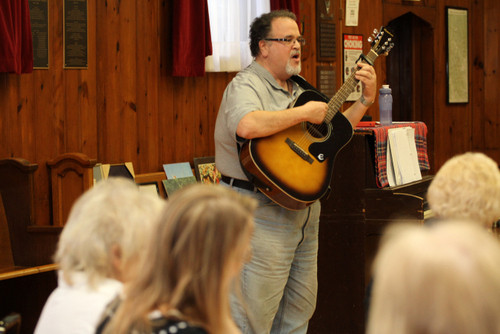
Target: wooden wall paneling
(45, 144)
(165, 119)
(72, 125)
(148, 77)
(188, 99)
(88, 89)
(166, 83)
(108, 78)
(452, 133)
(128, 81)
(105, 43)
(117, 74)
(49, 115)
(10, 128)
(80, 98)
(491, 111)
(307, 26)
(25, 110)
(478, 71)
(443, 123)
(202, 135)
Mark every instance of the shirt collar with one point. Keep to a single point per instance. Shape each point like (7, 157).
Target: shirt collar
(264, 73)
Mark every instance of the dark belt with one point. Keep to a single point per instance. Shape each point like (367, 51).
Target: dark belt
(238, 183)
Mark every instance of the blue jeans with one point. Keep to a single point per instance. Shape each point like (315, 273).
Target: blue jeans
(279, 284)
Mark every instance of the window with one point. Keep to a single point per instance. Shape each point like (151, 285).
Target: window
(229, 24)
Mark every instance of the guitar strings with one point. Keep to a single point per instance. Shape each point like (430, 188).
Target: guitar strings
(320, 130)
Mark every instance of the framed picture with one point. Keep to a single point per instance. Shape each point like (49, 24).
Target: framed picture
(172, 185)
(205, 170)
(149, 187)
(457, 55)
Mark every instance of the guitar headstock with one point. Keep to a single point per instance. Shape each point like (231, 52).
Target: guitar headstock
(382, 41)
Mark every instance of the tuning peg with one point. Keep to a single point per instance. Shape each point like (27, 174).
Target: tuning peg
(370, 39)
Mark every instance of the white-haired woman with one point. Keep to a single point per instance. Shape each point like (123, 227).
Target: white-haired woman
(467, 187)
(107, 229)
(444, 278)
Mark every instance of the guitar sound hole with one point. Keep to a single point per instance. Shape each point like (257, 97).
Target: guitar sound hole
(317, 130)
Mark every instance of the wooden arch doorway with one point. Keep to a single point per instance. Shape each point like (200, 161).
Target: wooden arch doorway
(410, 71)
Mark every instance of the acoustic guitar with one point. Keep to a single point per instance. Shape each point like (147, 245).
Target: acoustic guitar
(294, 167)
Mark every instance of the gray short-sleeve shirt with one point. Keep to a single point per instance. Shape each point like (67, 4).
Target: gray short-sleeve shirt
(254, 88)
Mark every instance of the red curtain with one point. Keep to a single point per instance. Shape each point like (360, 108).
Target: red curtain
(191, 37)
(16, 44)
(291, 5)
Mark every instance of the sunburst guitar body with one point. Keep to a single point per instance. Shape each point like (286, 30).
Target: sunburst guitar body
(294, 167)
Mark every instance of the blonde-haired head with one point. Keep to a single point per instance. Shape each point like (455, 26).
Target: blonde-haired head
(192, 261)
(439, 279)
(467, 187)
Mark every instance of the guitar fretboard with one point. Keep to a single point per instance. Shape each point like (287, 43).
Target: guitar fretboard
(347, 88)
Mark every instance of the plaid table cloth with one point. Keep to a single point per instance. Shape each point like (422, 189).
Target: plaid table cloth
(380, 135)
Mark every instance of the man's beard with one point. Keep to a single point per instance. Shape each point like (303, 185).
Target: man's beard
(291, 70)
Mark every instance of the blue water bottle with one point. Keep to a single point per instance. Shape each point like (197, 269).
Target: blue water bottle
(385, 105)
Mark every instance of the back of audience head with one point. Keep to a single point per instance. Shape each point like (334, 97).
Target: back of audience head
(193, 260)
(467, 187)
(439, 279)
(107, 230)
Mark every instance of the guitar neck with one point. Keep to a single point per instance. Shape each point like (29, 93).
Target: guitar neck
(347, 88)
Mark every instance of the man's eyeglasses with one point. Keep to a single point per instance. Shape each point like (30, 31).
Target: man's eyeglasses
(287, 41)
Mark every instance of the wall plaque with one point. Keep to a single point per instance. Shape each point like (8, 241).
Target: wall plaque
(75, 34)
(325, 31)
(326, 80)
(39, 18)
(457, 55)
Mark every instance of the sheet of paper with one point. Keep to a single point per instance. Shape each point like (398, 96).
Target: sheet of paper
(351, 13)
(389, 166)
(403, 153)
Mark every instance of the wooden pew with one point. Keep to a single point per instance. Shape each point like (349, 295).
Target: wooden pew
(70, 176)
(27, 271)
(27, 274)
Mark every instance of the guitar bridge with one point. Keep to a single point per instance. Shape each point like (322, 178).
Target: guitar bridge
(300, 152)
